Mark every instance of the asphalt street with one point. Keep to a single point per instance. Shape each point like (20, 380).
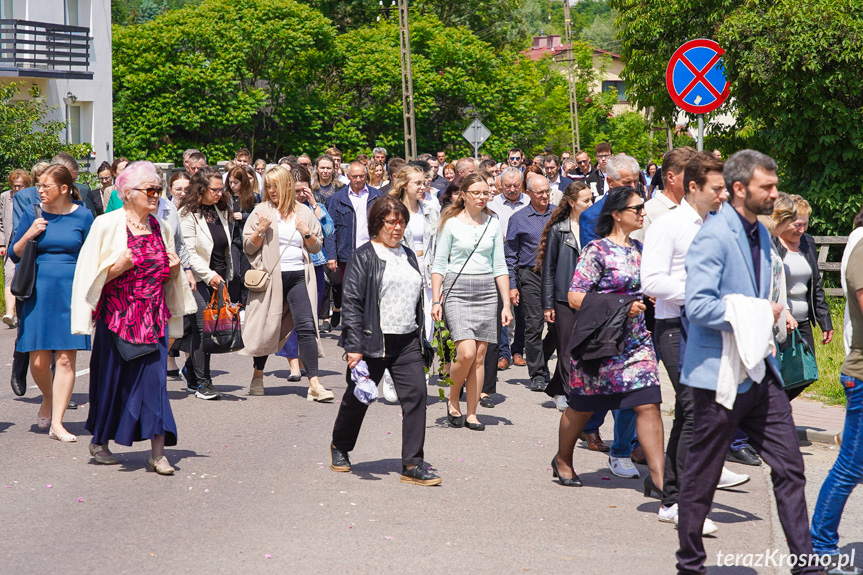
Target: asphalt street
(253, 492)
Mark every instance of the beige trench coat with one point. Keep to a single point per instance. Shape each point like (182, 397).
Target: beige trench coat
(268, 321)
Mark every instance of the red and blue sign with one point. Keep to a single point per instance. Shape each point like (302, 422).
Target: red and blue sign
(696, 77)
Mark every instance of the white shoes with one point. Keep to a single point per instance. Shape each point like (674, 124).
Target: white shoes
(10, 321)
(669, 515)
(622, 467)
(560, 402)
(730, 479)
(390, 394)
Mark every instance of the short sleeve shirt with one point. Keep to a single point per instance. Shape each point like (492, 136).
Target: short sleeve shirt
(853, 365)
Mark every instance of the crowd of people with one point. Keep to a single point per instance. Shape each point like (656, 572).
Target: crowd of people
(698, 264)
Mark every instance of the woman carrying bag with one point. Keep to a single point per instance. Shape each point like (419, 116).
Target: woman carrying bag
(468, 266)
(206, 219)
(279, 238)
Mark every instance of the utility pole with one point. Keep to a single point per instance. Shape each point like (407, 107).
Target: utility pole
(570, 77)
(407, 74)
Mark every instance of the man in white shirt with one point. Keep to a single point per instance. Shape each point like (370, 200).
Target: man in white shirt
(663, 277)
(672, 173)
(509, 200)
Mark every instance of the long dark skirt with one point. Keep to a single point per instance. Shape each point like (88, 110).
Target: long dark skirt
(128, 400)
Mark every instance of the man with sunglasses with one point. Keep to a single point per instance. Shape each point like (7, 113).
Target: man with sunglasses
(515, 158)
(672, 172)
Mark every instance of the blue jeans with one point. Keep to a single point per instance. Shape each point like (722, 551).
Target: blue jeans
(595, 422)
(845, 474)
(624, 432)
(503, 344)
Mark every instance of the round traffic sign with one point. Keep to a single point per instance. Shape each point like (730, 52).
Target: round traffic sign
(695, 76)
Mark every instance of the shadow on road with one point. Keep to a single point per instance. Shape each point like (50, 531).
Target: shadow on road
(371, 470)
(137, 460)
(4, 425)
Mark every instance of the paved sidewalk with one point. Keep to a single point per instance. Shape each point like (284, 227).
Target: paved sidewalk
(815, 421)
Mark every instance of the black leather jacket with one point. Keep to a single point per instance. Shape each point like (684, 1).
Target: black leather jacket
(558, 265)
(819, 309)
(600, 330)
(361, 289)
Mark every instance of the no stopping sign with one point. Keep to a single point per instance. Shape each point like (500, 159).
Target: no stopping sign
(695, 76)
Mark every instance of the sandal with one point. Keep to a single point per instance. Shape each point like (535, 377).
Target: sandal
(64, 437)
(43, 422)
(96, 450)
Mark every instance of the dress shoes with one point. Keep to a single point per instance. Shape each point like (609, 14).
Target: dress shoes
(745, 456)
(518, 359)
(474, 426)
(537, 383)
(339, 460)
(502, 364)
(729, 479)
(19, 385)
(419, 476)
(573, 481)
(335, 318)
(486, 402)
(638, 456)
(594, 442)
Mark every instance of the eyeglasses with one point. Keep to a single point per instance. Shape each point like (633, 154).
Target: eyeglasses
(479, 194)
(393, 223)
(17, 187)
(602, 156)
(637, 209)
(514, 158)
(583, 161)
(105, 178)
(217, 191)
(40, 187)
(540, 194)
(152, 192)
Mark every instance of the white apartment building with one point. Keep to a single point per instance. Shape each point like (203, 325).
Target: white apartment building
(64, 48)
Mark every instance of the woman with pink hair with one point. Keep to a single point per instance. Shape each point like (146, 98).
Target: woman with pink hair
(128, 283)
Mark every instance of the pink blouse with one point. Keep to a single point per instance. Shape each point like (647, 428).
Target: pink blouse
(133, 304)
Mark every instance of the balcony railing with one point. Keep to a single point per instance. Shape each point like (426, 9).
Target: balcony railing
(42, 50)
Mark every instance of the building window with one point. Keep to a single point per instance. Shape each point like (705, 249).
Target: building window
(72, 18)
(7, 9)
(73, 131)
(619, 86)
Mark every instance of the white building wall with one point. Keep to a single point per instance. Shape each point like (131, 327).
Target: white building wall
(94, 96)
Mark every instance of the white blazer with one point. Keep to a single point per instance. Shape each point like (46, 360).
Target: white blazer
(199, 242)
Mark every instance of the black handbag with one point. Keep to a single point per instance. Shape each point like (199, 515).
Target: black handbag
(25, 272)
(222, 330)
(129, 351)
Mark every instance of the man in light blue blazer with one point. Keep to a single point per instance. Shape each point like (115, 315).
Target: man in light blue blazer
(731, 255)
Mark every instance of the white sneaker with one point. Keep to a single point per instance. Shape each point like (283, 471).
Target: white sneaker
(561, 402)
(669, 515)
(10, 321)
(390, 388)
(622, 467)
(730, 479)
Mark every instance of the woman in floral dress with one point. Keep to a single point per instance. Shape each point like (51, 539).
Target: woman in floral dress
(611, 265)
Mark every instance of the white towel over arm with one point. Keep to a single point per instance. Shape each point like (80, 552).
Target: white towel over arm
(744, 348)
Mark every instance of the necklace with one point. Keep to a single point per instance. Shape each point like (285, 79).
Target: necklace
(139, 226)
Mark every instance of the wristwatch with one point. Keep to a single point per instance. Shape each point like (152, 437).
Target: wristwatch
(261, 233)
(307, 236)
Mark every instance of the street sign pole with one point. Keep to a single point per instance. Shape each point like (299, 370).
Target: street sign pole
(475, 142)
(476, 134)
(700, 132)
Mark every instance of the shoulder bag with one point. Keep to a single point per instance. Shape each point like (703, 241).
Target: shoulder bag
(797, 362)
(442, 338)
(258, 280)
(25, 271)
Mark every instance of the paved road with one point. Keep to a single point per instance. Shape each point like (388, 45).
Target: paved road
(253, 492)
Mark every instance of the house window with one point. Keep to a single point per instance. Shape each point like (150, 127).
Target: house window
(73, 131)
(72, 13)
(6, 8)
(619, 86)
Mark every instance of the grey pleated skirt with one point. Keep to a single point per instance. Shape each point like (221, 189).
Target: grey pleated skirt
(470, 307)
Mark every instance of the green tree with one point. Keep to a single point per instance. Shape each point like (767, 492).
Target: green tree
(795, 68)
(26, 135)
(250, 74)
(602, 32)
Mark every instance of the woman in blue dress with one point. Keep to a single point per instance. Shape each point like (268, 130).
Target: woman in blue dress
(59, 231)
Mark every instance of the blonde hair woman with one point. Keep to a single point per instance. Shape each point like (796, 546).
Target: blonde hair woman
(784, 214)
(278, 238)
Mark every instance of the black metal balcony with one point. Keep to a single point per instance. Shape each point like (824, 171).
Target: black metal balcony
(42, 50)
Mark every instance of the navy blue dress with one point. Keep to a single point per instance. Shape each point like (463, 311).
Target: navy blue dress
(46, 317)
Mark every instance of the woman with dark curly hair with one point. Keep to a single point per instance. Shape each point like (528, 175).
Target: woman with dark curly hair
(206, 218)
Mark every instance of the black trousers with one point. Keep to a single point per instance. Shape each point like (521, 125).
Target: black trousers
(489, 384)
(763, 413)
(537, 349)
(666, 335)
(330, 279)
(405, 361)
(296, 297)
(236, 287)
(336, 278)
(198, 362)
(564, 321)
(20, 359)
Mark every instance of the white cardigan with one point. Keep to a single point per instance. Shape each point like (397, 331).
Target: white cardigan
(199, 242)
(105, 242)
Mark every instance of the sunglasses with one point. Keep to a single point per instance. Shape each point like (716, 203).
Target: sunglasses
(514, 158)
(636, 209)
(583, 161)
(217, 191)
(153, 192)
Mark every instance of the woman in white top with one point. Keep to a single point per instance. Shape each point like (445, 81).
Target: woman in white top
(468, 266)
(278, 238)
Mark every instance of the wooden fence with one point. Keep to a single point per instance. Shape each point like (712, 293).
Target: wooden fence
(824, 243)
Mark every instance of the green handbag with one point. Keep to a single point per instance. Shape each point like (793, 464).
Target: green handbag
(797, 362)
